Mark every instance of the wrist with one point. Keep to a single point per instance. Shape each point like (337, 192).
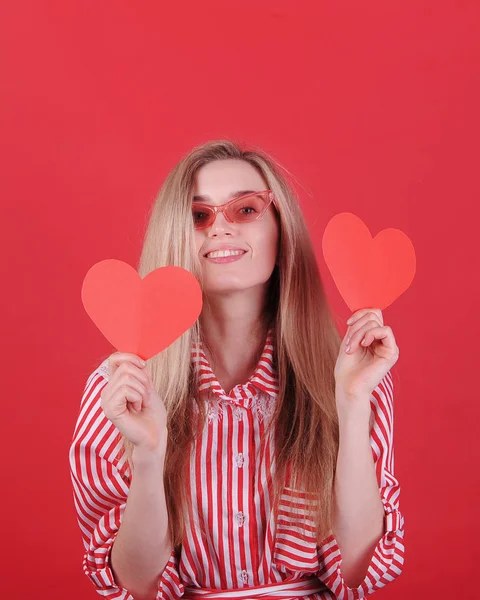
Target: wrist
(149, 456)
(352, 407)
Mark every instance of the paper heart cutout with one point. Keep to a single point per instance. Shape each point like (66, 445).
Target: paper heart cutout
(141, 316)
(369, 273)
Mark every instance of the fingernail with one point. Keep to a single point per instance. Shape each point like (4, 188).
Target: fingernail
(347, 341)
(350, 320)
(347, 349)
(142, 363)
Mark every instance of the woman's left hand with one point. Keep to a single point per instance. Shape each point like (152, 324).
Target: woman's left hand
(371, 354)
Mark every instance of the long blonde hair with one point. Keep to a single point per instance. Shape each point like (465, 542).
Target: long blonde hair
(305, 421)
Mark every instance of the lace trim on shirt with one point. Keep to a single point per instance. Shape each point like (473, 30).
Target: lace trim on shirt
(103, 369)
(263, 405)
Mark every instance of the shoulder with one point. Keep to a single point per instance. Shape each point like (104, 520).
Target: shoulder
(102, 371)
(93, 428)
(94, 383)
(95, 436)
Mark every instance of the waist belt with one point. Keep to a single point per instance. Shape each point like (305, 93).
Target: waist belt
(282, 590)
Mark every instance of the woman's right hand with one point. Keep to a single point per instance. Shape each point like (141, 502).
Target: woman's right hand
(132, 405)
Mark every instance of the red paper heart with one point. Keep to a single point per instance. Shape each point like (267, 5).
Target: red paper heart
(141, 316)
(369, 273)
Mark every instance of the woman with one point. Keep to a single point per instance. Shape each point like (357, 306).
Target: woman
(254, 456)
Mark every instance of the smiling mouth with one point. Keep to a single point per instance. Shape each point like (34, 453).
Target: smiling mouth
(224, 254)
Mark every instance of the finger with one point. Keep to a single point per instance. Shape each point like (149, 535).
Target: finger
(366, 320)
(369, 316)
(363, 311)
(118, 358)
(128, 396)
(352, 343)
(130, 381)
(128, 368)
(127, 374)
(382, 334)
(115, 405)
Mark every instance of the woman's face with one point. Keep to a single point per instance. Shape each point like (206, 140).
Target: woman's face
(217, 182)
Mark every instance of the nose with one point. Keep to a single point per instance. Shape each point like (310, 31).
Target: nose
(220, 225)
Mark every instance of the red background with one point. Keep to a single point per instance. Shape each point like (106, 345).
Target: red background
(373, 106)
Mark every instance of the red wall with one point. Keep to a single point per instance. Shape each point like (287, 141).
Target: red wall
(373, 106)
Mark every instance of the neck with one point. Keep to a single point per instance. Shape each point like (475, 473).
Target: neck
(234, 331)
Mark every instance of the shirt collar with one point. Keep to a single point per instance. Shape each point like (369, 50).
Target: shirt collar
(264, 378)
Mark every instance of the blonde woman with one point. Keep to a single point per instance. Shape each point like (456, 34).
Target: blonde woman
(253, 458)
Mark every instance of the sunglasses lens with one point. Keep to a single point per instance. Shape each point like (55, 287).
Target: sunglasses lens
(247, 209)
(201, 216)
(244, 209)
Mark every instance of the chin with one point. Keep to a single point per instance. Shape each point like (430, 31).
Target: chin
(231, 287)
(224, 289)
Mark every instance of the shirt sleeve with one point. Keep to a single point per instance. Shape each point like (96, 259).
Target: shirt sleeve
(100, 487)
(101, 480)
(171, 586)
(388, 557)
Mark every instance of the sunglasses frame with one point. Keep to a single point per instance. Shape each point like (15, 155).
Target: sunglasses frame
(268, 194)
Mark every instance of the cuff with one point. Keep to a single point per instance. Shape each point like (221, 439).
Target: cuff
(100, 573)
(170, 585)
(386, 562)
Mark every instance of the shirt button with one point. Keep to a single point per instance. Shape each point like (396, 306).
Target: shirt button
(239, 460)
(240, 519)
(244, 576)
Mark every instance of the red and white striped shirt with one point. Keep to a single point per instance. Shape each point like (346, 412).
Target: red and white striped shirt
(242, 553)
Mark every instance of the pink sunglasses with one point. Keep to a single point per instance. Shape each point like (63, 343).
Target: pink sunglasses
(243, 209)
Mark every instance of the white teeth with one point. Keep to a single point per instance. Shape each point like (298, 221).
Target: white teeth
(223, 253)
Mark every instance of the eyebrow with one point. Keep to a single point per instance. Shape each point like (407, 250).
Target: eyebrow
(201, 198)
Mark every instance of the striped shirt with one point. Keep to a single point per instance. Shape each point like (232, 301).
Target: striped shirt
(232, 547)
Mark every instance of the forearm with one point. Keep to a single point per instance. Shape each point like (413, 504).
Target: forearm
(358, 508)
(142, 546)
